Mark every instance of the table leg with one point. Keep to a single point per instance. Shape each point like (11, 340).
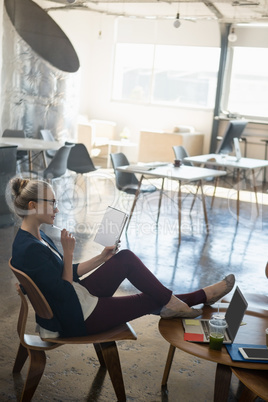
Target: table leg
(108, 157)
(160, 200)
(255, 190)
(222, 383)
(30, 161)
(135, 200)
(204, 206)
(238, 194)
(194, 198)
(179, 211)
(214, 192)
(169, 361)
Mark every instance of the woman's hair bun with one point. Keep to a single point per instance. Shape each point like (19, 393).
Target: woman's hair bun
(18, 185)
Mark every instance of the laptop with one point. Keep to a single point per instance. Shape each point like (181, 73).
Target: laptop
(197, 330)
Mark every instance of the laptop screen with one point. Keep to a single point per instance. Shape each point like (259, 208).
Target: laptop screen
(235, 313)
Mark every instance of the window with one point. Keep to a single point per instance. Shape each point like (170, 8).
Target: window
(169, 75)
(247, 82)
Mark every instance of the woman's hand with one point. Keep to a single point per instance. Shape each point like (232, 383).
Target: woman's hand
(67, 242)
(108, 252)
(87, 266)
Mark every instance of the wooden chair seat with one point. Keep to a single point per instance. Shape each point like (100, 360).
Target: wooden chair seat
(34, 347)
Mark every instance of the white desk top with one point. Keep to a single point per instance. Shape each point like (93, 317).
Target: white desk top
(30, 144)
(183, 173)
(227, 161)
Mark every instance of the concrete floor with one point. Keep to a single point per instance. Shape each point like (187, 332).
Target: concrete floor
(72, 372)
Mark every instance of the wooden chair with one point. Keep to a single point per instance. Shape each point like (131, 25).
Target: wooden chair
(34, 347)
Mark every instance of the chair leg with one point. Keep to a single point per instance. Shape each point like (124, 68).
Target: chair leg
(35, 371)
(99, 354)
(21, 357)
(112, 361)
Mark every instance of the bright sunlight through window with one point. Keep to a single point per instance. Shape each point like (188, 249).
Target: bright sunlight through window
(167, 75)
(248, 93)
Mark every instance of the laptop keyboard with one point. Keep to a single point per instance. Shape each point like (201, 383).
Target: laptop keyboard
(205, 325)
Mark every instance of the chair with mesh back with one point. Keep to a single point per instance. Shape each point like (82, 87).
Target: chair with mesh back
(128, 182)
(80, 162)
(21, 155)
(34, 347)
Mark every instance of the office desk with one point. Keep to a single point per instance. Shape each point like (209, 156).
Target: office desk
(29, 145)
(252, 333)
(230, 162)
(183, 174)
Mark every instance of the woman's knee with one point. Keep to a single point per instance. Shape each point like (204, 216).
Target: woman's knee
(125, 255)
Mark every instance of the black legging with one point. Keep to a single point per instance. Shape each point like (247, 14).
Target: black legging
(112, 311)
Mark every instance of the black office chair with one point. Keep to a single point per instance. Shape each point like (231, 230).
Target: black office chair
(80, 162)
(58, 165)
(128, 182)
(180, 153)
(21, 155)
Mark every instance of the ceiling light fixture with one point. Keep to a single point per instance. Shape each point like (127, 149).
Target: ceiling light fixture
(177, 22)
(232, 37)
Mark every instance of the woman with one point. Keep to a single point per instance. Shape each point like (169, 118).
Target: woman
(87, 306)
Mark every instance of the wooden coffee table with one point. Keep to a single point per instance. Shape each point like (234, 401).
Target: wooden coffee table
(253, 332)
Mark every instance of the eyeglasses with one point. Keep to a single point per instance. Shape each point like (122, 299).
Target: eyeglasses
(53, 202)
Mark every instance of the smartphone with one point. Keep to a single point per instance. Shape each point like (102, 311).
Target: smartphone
(254, 353)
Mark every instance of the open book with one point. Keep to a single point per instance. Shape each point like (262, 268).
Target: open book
(111, 227)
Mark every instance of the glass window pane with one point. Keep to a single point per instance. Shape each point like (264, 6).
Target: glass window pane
(248, 94)
(133, 72)
(169, 75)
(185, 75)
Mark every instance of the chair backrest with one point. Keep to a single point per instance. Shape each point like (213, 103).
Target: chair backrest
(36, 297)
(58, 165)
(46, 135)
(14, 133)
(181, 153)
(122, 179)
(79, 160)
